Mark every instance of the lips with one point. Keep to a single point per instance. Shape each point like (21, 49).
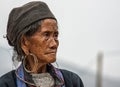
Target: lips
(51, 52)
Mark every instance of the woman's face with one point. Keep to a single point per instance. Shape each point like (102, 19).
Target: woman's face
(44, 42)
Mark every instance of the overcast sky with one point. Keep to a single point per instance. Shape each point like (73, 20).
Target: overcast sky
(86, 27)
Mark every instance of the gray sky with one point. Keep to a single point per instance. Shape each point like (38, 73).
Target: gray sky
(86, 27)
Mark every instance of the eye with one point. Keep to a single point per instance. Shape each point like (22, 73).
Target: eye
(56, 35)
(47, 34)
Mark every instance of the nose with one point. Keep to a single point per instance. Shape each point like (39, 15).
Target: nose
(54, 43)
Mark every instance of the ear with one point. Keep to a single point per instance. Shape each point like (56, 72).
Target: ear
(25, 44)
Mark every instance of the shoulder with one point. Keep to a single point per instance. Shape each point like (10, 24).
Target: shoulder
(8, 79)
(71, 78)
(69, 73)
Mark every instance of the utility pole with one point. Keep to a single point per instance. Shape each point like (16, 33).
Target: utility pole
(99, 69)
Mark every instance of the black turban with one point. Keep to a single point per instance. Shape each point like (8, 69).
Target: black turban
(23, 16)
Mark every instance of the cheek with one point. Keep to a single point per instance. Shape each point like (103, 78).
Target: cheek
(34, 45)
(38, 46)
(57, 42)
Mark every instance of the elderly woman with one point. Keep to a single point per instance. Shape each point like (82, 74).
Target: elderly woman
(33, 33)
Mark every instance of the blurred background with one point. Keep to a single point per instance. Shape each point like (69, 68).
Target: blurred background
(89, 39)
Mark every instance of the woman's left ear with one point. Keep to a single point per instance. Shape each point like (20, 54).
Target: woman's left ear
(25, 44)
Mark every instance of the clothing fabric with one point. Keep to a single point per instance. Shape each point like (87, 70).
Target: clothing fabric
(22, 74)
(71, 79)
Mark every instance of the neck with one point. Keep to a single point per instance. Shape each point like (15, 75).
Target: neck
(41, 68)
(35, 68)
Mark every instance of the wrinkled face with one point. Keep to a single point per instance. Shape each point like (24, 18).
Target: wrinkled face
(44, 42)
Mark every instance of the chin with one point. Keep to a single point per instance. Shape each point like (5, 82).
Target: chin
(52, 60)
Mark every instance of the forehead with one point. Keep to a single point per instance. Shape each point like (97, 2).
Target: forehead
(47, 22)
(48, 25)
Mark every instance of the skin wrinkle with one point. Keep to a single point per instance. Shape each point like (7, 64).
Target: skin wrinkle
(43, 44)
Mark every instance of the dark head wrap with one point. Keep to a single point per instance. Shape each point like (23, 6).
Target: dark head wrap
(24, 16)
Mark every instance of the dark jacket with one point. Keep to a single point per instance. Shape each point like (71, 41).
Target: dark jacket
(71, 79)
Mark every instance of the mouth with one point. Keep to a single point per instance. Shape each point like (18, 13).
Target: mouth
(52, 52)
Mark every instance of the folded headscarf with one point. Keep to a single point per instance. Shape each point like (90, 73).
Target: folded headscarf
(23, 16)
